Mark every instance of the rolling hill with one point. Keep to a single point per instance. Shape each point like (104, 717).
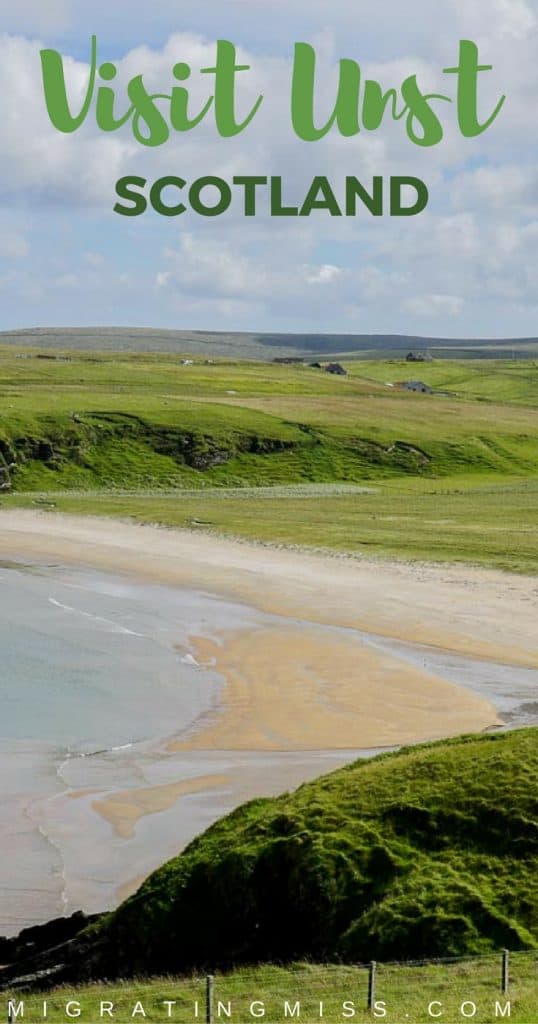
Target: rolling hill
(282, 453)
(263, 346)
(429, 852)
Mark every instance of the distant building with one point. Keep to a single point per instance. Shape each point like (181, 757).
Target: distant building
(289, 360)
(418, 357)
(336, 368)
(415, 385)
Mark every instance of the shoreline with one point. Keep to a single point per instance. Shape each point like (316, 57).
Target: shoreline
(321, 661)
(482, 613)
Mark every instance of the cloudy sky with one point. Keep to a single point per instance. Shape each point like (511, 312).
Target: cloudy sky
(467, 266)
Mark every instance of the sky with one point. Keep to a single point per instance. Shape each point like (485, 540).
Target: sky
(466, 267)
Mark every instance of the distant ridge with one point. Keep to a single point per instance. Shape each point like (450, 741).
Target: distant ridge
(266, 346)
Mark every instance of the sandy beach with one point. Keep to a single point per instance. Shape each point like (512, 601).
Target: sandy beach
(291, 664)
(307, 689)
(480, 613)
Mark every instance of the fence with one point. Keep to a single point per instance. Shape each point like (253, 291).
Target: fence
(492, 987)
(485, 989)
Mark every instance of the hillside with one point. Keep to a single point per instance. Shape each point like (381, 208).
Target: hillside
(264, 346)
(348, 463)
(429, 852)
(98, 422)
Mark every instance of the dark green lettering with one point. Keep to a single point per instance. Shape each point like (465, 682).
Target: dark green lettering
(195, 197)
(397, 209)
(320, 197)
(277, 209)
(125, 189)
(355, 190)
(156, 196)
(250, 185)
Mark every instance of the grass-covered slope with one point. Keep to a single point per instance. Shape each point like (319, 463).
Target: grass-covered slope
(450, 477)
(93, 423)
(430, 852)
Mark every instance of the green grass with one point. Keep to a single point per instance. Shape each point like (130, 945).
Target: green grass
(427, 853)
(474, 520)
(406, 990)
(493, 381)
(80, 422)
(451, 478)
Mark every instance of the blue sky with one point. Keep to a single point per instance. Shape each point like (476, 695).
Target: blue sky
(465, 267)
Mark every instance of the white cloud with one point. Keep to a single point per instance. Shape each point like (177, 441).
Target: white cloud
(255, 20)
(435, 305)
(38, 162)
(501, 19)
(473, 251)
(218, 269)
(323, 274)
(83, 168)
(506, 186)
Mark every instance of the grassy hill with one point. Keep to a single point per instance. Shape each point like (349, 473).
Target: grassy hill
(429, 852)
(95, 422)
(350, 463)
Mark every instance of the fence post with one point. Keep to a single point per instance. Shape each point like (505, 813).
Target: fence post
(372, 971)
(505, 972)
(209, 994)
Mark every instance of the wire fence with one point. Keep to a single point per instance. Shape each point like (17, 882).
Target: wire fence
(485, 989)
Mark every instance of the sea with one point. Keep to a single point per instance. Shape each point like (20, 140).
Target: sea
(96, 676)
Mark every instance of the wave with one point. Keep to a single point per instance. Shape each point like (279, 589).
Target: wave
(115, 627)
(73, 755)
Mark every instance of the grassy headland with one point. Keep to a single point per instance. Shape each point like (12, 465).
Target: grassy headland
(429, 852)
(383, 858)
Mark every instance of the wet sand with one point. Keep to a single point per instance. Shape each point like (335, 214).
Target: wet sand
(309, 689)
(293, 664)
(125, 809)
